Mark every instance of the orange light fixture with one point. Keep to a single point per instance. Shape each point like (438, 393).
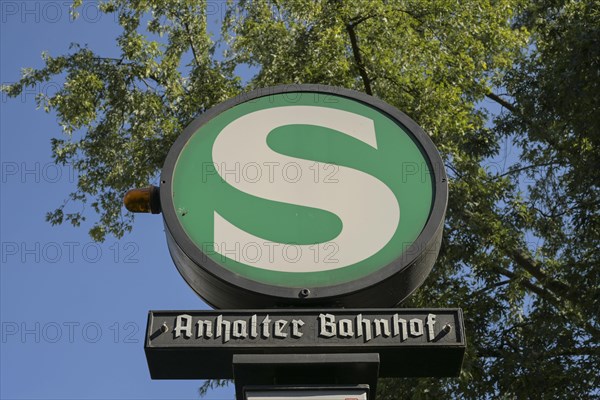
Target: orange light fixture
(144, 200)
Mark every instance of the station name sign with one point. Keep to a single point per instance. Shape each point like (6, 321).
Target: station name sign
(417, 342)
(327, 326)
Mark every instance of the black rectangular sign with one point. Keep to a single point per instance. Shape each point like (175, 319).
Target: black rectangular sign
(201, 344)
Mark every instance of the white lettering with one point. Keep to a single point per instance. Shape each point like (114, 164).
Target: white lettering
(204, 328)
(183, 323)
(381, 326)
(239, 329)
(265, 327)
(253, 327)
(360, 322)
(221, 323)
(346, 328)
(430, 322)
(399, 327)
(416, 327)
(327, 325)
(279, 327)
(296, 324)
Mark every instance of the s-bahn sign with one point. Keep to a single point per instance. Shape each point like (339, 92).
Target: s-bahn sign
(303, 195)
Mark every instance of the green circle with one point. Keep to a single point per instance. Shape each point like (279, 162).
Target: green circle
(398, 161)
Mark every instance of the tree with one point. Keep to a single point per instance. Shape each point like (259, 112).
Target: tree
(520, 252)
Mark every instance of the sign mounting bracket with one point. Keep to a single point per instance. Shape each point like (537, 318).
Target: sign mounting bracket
(290, 370)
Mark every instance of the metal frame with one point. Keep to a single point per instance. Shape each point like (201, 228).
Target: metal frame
(309, 388)
(170, 359)
(387, 286)
(274, 372)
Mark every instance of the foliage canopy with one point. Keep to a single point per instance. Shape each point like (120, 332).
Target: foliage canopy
(521, 247)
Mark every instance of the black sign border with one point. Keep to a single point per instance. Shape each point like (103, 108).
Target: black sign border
(214, 361)
(386, 287)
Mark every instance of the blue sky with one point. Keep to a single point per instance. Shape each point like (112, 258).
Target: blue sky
(73, 312)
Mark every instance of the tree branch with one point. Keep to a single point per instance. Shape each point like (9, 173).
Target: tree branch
(502, 102)
(359, 20)
(517, 170)
(358, 58)
(568, 352)
(543, 293)
(189, 34)
(492, 286)
(549, 296)
(524, 261)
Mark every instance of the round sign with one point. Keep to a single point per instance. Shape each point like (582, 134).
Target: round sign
(303, 195)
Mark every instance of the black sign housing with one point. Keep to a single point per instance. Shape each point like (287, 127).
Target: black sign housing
(201, 344)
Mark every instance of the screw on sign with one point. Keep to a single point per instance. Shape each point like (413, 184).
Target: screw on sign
(301, 195)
